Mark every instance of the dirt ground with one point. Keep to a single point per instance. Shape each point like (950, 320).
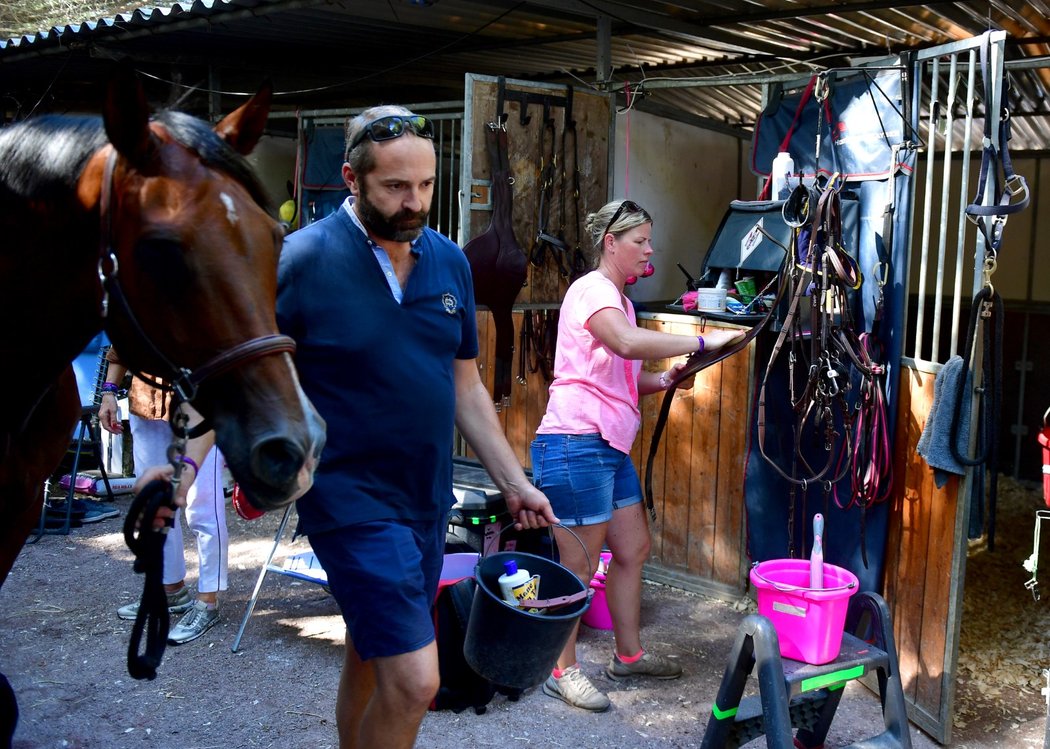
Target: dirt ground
(64, 650)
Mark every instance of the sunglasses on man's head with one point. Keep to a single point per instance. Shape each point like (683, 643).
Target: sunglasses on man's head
(628, 206)
(393, 126)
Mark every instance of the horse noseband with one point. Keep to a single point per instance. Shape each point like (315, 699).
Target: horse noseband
(187, 382)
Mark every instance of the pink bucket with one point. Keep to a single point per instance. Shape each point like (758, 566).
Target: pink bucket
(598, 616)
(808, 621)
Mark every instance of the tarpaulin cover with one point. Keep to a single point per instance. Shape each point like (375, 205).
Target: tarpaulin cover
(323, 189)
(323, 158)
(859, 120)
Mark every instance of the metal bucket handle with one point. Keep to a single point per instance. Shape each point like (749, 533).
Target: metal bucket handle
(784, 588)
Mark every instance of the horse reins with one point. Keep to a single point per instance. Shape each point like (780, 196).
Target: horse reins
(148, 544)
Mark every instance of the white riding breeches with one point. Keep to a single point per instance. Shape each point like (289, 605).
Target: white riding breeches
(205, 508)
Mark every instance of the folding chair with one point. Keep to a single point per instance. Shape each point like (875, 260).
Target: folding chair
(302, 566)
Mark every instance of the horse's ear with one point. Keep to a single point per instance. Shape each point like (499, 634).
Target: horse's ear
(126, 116)
(243, 127)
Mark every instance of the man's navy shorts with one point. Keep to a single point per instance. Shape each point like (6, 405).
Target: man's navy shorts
(384, 575)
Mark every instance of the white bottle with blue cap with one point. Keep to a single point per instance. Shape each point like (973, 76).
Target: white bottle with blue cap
(512, 578)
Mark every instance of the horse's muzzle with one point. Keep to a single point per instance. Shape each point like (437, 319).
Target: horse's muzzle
(281, 472)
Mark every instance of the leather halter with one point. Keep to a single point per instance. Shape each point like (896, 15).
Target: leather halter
(185, 382)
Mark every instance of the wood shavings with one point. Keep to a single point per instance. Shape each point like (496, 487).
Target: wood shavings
(1004, 643)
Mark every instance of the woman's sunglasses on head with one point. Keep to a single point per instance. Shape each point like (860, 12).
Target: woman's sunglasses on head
(628, 206)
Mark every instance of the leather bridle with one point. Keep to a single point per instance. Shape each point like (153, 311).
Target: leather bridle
(184, 382)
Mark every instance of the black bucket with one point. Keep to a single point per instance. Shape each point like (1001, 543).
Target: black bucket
(508, 645)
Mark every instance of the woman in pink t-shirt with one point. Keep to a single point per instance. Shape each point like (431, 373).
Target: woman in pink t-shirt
(581, 454)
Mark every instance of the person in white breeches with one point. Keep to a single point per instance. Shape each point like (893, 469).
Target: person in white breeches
(205, 505)
(205, 512)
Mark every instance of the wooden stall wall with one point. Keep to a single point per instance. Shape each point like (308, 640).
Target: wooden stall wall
(529, 150)
(919, 559)
(698, 478)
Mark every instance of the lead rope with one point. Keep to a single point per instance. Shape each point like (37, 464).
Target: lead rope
(1010, 196)
(147, 543)
(987, 311)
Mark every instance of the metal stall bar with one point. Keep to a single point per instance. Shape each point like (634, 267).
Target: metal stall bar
(964, 193)
(924, 246)
(929, 648)
(448, 121)
(945, 135)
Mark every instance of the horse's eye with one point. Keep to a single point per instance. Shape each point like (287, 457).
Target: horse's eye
(163, 260)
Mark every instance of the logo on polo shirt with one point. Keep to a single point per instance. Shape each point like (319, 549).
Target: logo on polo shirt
(449, 302)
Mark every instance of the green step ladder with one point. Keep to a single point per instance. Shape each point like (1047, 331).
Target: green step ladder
(795, 695)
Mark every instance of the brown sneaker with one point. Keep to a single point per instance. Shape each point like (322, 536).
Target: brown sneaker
(649, 664)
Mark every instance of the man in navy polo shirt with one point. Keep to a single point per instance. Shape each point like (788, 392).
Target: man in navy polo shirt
(382, 311)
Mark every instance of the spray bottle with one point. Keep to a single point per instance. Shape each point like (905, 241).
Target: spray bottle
(816, 557)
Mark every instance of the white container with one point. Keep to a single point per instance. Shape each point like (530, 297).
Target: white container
(711, 300)
(783, 165)
(512, 578)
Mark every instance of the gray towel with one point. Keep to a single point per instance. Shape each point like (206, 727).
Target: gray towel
(935, 441)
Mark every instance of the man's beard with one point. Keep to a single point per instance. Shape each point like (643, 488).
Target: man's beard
(403, 226)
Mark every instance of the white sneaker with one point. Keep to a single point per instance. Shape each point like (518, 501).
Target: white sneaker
(576, 689)
(194, 623)
(178, 602)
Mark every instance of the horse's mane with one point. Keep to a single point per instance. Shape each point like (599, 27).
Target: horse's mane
(44, 156)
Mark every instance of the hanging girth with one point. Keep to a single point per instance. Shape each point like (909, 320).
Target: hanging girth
(498, 264)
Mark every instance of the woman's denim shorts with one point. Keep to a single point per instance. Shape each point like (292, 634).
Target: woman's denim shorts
(584, 478)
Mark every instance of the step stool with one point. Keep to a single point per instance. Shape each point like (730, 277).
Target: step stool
(796, 695)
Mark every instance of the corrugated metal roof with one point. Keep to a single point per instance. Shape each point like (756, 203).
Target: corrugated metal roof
(332, 53)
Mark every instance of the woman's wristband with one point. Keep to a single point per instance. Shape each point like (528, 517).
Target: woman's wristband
(190, 462)
(110, 387)
(664, 382)
(700, 340)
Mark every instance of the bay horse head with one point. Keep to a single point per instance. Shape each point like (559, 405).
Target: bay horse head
(188, 268)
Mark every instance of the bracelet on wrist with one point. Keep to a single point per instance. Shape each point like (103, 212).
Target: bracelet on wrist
(664, 383)
(110, 387)
(190, 462)
(700, 340)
